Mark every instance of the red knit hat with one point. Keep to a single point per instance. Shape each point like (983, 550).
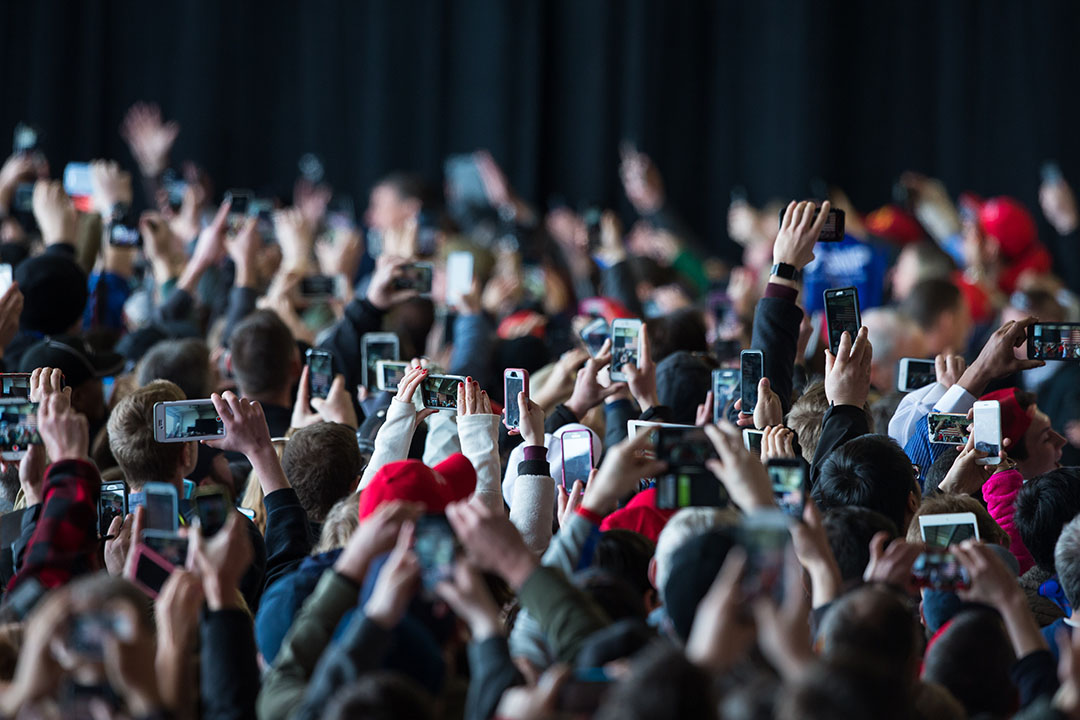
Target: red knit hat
(1014, 419)
(640, 515)
(414, 481)
(1011, 224)
(893, 223)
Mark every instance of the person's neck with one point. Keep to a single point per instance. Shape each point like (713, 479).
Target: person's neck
(280, 397)
(177, 482)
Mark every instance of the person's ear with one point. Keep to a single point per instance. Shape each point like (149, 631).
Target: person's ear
(355, 484)
(913, 502)
(652, 571)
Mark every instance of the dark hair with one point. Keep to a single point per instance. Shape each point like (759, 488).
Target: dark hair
(183, 362)
(262, 349)
(662, 684)
(933, 261)
(321, 462)
(929, 299)
(408, 186)
(682, 329)
(938, 469)
(850, 530)
(626, 554)
(381, 695)
(972, 658)
(614, 595)
(870, 471)
(848, 686)
(1044, 504)
(1025, 399)
(873, 622)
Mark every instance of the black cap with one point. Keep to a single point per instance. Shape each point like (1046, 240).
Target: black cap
(75, 358)
(54, 292)
(694, 567)
(682, 381)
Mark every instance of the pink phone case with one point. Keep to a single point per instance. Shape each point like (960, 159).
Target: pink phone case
(508, 400)
(141, 551)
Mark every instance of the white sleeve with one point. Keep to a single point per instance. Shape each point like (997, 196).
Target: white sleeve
(533, 510)
(393, 439)
(479, 435)
(913, 406)
(955, 400)
(442, 438)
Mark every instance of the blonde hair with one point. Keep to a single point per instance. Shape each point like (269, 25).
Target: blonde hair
(253, 493)
(341, 522)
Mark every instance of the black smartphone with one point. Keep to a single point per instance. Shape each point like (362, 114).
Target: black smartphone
(725, 383)
(436, 547)
(15, 385)
(374, 347)
(124, 234)
(788, 478)
(842, 314)
(415, 276)
(751, 370)
(698, 488)
(320, 372)
(212, 505)
(170, 545)
(240, 200)
(684, 449)
(1054, 341)
(318, 287)
(832, 230)
(113, 502)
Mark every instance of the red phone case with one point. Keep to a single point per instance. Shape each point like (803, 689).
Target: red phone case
(141, 551)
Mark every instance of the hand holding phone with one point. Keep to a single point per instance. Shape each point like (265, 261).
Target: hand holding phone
(751, 369)
(915, 373)
(986, 427)
(577, 457)
(841, 315)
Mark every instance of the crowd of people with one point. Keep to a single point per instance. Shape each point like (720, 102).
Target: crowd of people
(387, 559)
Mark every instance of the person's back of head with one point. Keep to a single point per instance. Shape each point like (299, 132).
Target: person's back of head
(1067, 561)
(131, 436)
(972, 657)
(682, 329)
(611, 593)
(626, 554)
(849, 686)
(681, 527)
(874, 622)
(322, 463)
(805, 418)
(893, 336)
(184, 362)
(850, 529)
(682, 381)
(662, 684)
(917, 262)
(339, 524)
(940, 468)
(940, 309)
(1043, 506)
(381, 695)
(264, 354)
(989, 530)
(870, 471)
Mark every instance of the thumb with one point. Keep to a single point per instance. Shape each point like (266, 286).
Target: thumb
(763, 386)
(877, 548)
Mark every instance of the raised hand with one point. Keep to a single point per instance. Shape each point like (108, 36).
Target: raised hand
(110, 186)
(892, 565)
(54, 212)
(642, 377)
(997, 358)
(472, 400)
(847, 375)
(777, 441)
(1059, 205)
(244, 249)
(742, 474)
(620, 473)
(491, 542)
(47, 381)
(949, 368)
(468, 596)
(377, 534)
(64, 432)
(245, 424)
(149, 138)
(768, 410)
(721, 633)
(588, 392)
(382, 290)
(396, 583)
(641, 181)
(221, 561)
(532, 420)
(296, 238)
(799, 232)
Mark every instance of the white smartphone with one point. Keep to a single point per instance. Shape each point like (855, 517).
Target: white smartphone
(187, 420)
(752, 440)
(388, 374)
(948, 528)
(577, 457)
(986, 427)
(459, 276)
(625, 346)
(6, 278)
(515, 380)
(915, 373)
(161, 503)
(373, 348)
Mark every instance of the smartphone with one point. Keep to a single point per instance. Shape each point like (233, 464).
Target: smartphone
(440, 391)
(986, 427)
(26, 139)
(625, 346)
(112, 502)
(415, 276)
(175, 187)
(320, 372)
(7, 276)
(751, 369)
(388, 374)
(88, 632)
(189, 487)
(947, 428)
(689, 488)
(436, 547)
(1054, 341)
(123, 234)
(373, 348)
(938, 570)
(162, 507)
(515, 380)
(318, 287)
(832, 230)
(240, 201)
(24, 199)
(842, 314)
(15, 385)
(752, 440)
(764, 536)
(169, 545)
(187, 420)
(459, 276)
(577, 457)
(788, 478)
(77, 180)
(212, 505)
(583, 692)
(684, 449)
(725, 383)
(149, 570)
(945, 529)
(915, 373)
(595, 334)
(18, 428)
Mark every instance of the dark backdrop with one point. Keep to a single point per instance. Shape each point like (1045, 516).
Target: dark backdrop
(764, 93)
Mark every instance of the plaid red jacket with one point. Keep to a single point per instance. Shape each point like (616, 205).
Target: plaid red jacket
(64, 543)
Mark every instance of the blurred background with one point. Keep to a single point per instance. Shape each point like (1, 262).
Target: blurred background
(763, 96)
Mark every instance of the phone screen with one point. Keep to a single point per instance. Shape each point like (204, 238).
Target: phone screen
(112, 503)
(213, 510)
(440, 391)
(752, 439)
(788, 483)
(435, 546)
(161, 511)
(624, 346)
(832, 230)
(391, 374)
(192, 420)
(151, 575)
(459, 276)
(595, 334)
(314, 287)
(918, 373)
(171, 546)
(123, 235)
(986, 425)
(415, 276)
(765, 538)
(751, 366)
(576, 457)
(725, 385)
(18, 428)
(947, 428)
(684, 448)
(689, 489)
(239, 199)
(320, 373)
(939, 571)
(77, 180)
(514, 384)
(374, 351)
(943, 536)
(841, 314)
(1054, 341)
(15, 385)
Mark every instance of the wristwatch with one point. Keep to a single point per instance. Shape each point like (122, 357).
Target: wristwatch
(785, 271)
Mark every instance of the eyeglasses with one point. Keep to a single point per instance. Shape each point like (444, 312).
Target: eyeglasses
(917, 470)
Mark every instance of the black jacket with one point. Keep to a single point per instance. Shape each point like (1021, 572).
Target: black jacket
(229, 675)
(288, 534)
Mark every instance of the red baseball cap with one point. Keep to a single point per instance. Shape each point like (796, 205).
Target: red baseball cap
(893, 223)
(414, 481)
(1014, 418)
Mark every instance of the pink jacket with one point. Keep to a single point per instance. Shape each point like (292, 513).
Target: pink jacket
(1000, 495)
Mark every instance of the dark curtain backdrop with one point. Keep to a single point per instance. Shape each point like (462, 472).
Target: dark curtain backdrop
(766, 94)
